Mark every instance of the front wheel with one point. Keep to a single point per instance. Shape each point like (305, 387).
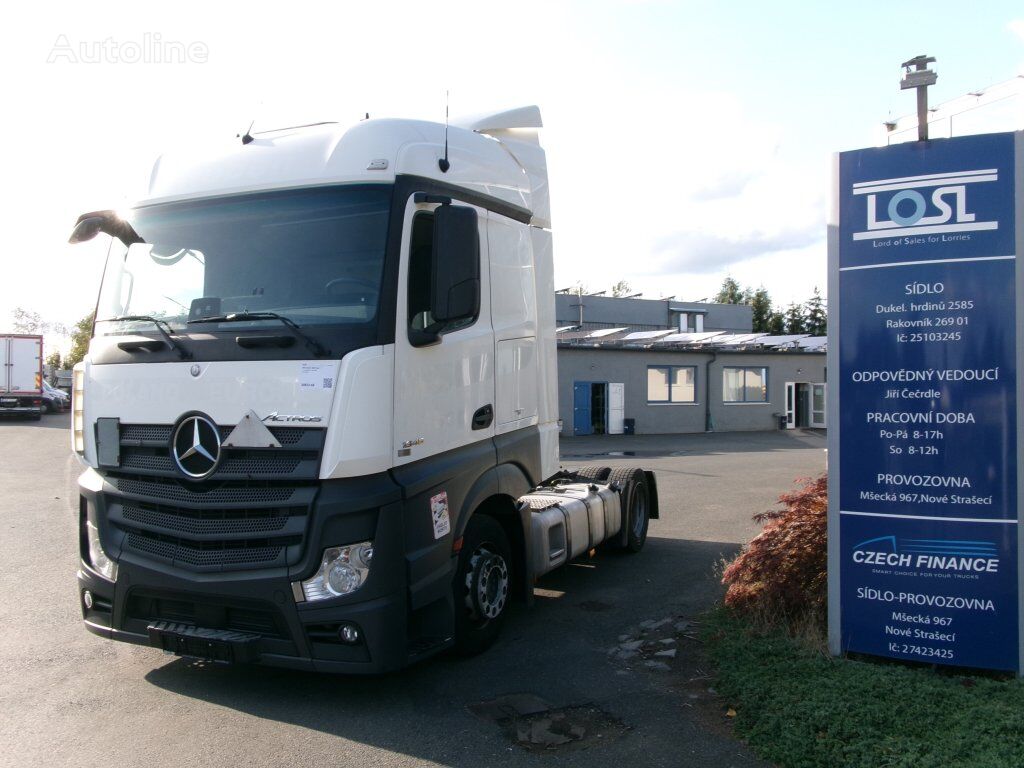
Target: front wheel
(482, 586)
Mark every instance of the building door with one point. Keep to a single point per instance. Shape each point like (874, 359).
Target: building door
(599, 408)
(581, 424)
(803, 405)
(818, 406)
(616, 408)
(790, 405)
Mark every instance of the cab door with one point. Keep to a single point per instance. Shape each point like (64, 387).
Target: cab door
(444, 390)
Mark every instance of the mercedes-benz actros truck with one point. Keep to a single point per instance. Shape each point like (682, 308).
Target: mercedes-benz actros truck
(318, 412)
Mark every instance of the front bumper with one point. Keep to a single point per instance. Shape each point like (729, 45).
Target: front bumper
(288, 637)
(296, 635)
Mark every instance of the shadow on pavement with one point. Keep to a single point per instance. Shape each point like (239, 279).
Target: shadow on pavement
(558, 651)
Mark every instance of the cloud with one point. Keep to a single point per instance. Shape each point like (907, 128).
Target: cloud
(728, 184)
(704, 252)
(1017, 27)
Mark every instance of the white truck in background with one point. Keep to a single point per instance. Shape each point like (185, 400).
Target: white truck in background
(318, 413)
(21, 374)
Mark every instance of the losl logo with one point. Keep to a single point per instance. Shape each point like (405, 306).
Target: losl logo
(935, 203)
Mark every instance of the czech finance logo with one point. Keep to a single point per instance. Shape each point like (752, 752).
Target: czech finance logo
(195, 446)
(932, 204)
(928, 554)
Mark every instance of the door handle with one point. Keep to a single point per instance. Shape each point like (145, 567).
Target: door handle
(483, 417)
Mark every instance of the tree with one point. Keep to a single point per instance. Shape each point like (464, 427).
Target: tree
(621, 289)
(80, 341)
(730, 293)
(794, 318)
(816, 315)
(776, 324)
(53, 360)
(27, 321)
(761, 306)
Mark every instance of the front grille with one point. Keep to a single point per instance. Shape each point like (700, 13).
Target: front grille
(172, 490)
(252, 512)
(161, 433)
(259, 552)
(254, 464)
(157, 433)
(191, 522)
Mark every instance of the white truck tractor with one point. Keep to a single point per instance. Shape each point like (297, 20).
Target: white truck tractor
(318, 414)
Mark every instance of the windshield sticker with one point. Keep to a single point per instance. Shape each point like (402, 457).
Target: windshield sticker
(316, 376)
(439, 512)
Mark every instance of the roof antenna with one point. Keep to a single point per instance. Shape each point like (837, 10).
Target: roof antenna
(247, 136)
(443, 163)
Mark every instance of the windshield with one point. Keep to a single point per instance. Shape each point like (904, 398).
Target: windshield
(315, 256)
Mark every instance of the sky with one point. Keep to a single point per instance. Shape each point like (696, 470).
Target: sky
(686, 141)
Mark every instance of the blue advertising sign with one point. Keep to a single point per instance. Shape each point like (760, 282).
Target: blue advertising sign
(927, 393)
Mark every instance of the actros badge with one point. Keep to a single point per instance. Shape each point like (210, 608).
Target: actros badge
(195, 446)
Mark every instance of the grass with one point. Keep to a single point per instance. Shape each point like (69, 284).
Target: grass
(799, 708)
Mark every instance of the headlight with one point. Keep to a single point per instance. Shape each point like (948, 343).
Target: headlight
(343, 570)
(78, 415)
(102, 564)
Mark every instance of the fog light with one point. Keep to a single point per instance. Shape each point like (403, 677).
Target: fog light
(342, 571)
(349, 633)
(87, 599)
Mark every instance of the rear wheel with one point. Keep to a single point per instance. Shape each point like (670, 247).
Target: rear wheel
(636, 515)
(592, 474)
(483, 585)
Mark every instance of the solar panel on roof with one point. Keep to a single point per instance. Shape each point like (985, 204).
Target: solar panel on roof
(573, 335)
(813, 342)
(781, 341)
(606, 332)
(690, 338)
(737, 338)
(637, 335)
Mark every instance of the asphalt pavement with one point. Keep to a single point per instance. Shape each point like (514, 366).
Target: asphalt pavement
(585, 677)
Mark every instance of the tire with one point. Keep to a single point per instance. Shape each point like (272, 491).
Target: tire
(636, 505)
(483, 585)
(592, 474)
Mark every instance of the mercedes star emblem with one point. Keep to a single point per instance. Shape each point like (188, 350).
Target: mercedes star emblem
(195, 446)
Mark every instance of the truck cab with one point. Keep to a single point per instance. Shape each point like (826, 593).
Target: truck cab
(321, 382)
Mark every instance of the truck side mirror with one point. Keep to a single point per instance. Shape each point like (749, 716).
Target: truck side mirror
(455, 278)
(91, 224)
(86, 229)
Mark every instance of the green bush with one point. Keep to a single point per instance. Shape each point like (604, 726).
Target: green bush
(781, 574)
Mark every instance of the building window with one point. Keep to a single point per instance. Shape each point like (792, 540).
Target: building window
(671, 384)
(745, 385)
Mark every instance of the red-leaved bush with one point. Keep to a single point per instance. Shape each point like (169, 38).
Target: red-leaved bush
(781, 573)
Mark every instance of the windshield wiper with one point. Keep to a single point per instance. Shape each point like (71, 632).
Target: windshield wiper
(241, 317)
(183, 353)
